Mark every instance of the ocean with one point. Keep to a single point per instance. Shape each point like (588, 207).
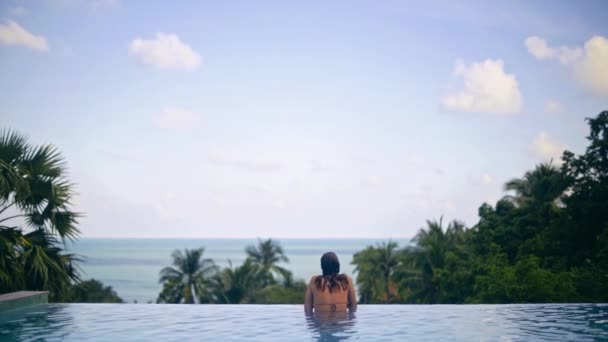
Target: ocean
(131, 266)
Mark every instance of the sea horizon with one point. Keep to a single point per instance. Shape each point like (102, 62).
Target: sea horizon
(132, 265)
(243, 238)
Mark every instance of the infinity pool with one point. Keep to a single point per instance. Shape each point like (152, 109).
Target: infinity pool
(136, 322)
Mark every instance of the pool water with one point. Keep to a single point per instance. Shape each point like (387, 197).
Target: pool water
(136, 322)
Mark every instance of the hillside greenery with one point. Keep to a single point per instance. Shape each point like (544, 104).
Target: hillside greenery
(546, 240)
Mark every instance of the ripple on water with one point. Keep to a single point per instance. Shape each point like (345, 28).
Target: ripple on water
(130, 322)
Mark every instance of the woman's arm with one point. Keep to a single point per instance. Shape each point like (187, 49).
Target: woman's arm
(308, 299)
(352, 296)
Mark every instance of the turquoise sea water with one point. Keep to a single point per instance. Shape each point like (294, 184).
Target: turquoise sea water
(158, 322)
(131, 266)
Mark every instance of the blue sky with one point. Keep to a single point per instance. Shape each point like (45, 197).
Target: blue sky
(310, 119)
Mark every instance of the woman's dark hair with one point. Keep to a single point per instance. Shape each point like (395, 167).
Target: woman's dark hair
(331, 279)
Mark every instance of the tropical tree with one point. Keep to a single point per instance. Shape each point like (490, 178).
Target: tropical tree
(188, 279)
(93, 291)
(267, 254)
(238, 285)
(587, 201)
(546, 241)
(35, 210)
(587, 210)
(426, 261)
(387, 261)
(368, 275)
(375, 267)
(543, 185)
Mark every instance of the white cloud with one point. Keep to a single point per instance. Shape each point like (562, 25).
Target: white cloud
(539, 48)
(174, 118)
(568, 55)
(592, 71)
(553, 107)
(589, 65)
(12, 33)
(487, 89)
(17, 11)
(487, 179)
(166, 51)
(547, 148)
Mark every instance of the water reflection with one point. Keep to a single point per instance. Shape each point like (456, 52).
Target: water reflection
(31, 322)
(332, 326)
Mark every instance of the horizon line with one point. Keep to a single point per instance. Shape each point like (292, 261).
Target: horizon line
(243, 237)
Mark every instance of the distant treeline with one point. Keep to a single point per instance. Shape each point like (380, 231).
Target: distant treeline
(259, 280)
(547, 241)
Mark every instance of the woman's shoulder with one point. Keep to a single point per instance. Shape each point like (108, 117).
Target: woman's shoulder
(347, 277)
(341, 275)
(313, 278)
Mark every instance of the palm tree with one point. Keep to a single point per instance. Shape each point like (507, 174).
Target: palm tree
(267, 255)
(237, 285)
(368, 274)
(189, 279)
(387, 261)
(373, 264)
(32, 183)
(545, 185)
(424, 262)
(11, 269)
(35, 195)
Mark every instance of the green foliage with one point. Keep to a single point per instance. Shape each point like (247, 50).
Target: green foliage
(253, 282)
(376, 268)
(189, 279)
(238, 285)
(35, 201)
(545, 241)
(524, 282)
(93, 291)
(282, 294)
(267, 254)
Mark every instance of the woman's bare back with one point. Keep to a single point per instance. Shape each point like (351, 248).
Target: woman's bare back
(339, 299)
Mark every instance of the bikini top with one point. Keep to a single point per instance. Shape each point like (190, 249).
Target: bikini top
(332, 307)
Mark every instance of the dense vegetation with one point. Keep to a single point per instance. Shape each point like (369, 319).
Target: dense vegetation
(546, 241)
(34, 193)
(259, 280)
(93, 291)
(36, 220)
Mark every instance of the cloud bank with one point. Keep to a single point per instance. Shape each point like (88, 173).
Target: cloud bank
(487, 89)
(11, 33)
(589, 64)
(540, 49)
(592, 70)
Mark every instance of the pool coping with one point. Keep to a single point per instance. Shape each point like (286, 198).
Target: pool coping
(21, 299)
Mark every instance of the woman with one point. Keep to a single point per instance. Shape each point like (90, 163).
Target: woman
(330, 292)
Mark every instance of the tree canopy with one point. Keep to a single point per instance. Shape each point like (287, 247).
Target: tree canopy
(35, 218)
(545, 241)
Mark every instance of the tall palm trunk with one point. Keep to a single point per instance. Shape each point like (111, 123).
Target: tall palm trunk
(188, 298)
(388, 289)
